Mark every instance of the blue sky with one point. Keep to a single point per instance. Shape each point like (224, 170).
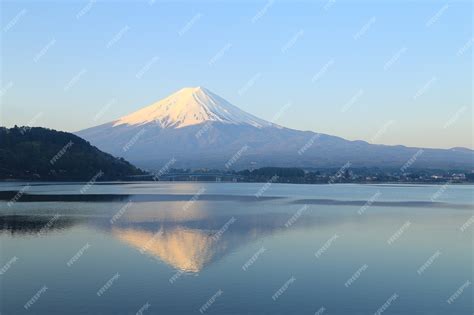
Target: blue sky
(392, 72)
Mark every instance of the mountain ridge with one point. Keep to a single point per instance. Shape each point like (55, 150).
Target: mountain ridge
(35, 153)
(238, 140)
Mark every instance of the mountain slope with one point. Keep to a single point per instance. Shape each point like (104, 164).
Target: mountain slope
(39, 153)
(196, 128)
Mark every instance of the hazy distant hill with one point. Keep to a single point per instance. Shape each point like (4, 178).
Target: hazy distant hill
(196, 128)
(45, 154)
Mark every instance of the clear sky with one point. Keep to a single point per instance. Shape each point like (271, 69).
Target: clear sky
(392, 72)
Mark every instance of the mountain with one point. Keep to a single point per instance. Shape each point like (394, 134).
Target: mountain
(45, 154)
(190, 106)
(196, 128)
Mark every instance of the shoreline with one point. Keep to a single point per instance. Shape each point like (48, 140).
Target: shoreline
(119, 182)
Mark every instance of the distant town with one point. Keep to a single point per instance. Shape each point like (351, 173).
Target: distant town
(315, 176)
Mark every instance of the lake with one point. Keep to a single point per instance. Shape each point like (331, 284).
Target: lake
(235, 248)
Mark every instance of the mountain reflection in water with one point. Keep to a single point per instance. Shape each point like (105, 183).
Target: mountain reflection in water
(185, 240)
(188, 250)
(193, 245)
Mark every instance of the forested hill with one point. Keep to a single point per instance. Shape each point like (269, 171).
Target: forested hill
(45, 154)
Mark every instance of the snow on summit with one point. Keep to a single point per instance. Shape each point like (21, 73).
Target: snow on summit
(191, 106)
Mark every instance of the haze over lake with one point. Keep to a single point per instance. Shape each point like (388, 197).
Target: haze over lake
(237, 248)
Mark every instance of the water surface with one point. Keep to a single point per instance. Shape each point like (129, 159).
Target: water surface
(192, 248)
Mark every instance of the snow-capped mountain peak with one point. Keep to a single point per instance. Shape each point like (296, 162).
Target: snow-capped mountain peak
(191, 106)
(235, 132)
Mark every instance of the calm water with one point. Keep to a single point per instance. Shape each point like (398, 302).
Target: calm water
(192, 248)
